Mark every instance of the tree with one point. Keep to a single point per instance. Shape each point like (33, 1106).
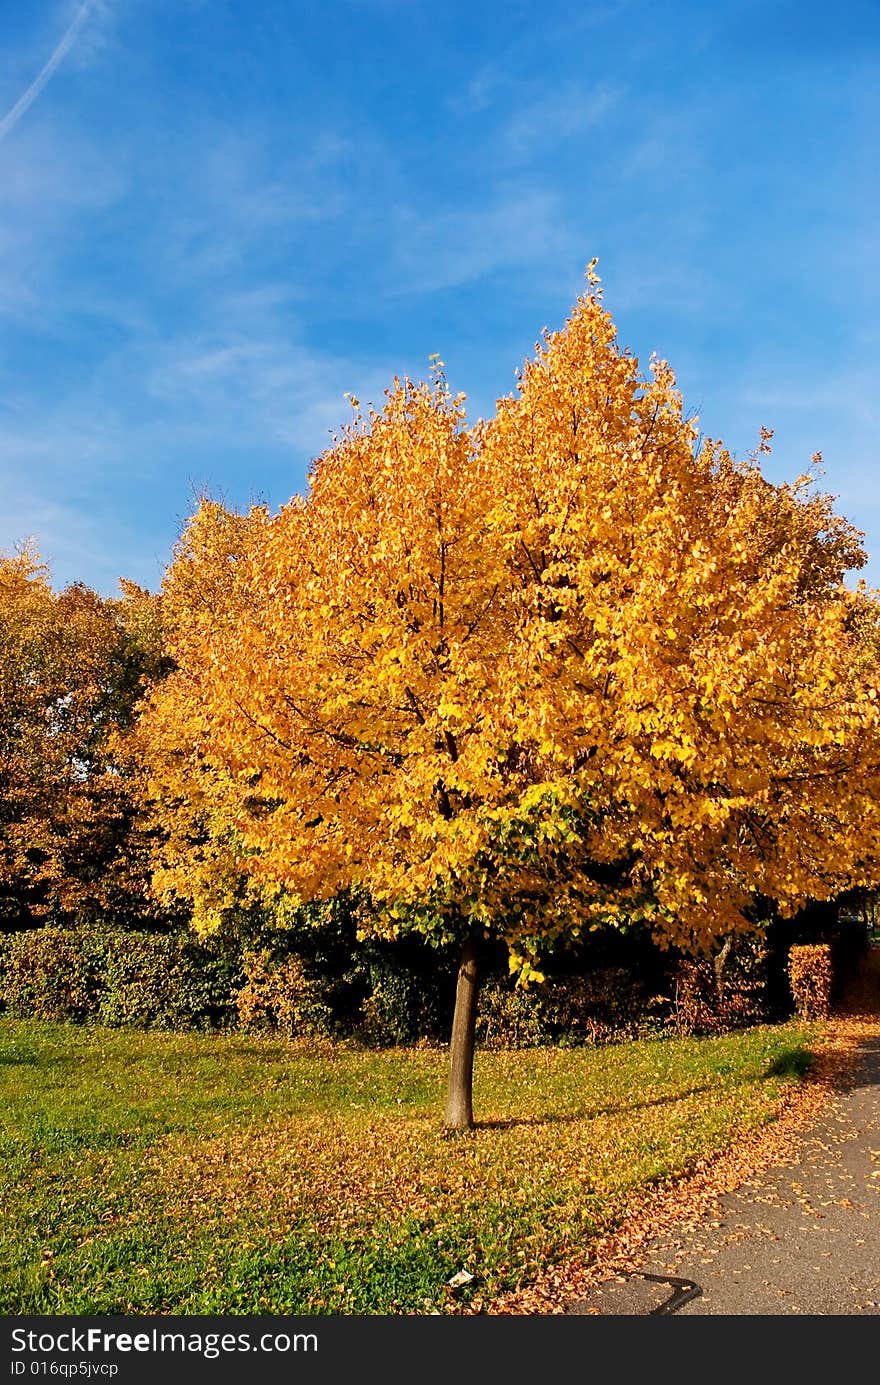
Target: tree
(570, 669)
(72, 667)
(189, 803)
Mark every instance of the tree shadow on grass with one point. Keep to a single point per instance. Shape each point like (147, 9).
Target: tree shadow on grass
(793, 1062)
(37, 1060)
(594, 1113)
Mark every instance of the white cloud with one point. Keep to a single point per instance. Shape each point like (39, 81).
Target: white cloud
(53, 183)
(512, 68)
(521, 226)
(109, 466)
(547, 120)
(71, 538)
(259, 391)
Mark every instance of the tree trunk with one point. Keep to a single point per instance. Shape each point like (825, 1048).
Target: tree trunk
(719, 964)
(459, 1093)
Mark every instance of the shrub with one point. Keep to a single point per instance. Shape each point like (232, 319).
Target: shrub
(695, 1001)
(147, 980)
(165, 981)
(50, 974)
(744, 983)
(311, 977)
(850, 945)
(278, 995)
(510, 1017)
(383, 991)
(727, 991)
(602, 1004)
(408, 993)
(810, 978)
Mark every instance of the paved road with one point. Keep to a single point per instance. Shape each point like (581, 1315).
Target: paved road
(798, 1239)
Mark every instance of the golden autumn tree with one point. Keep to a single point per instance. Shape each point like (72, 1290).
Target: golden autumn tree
(566, 670)
(190, 804)
(72, 666)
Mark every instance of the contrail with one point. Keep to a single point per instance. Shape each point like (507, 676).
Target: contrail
(12, 117)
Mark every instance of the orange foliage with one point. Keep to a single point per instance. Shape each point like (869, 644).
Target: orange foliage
(70, 673)
(810, 974)
(566, 669)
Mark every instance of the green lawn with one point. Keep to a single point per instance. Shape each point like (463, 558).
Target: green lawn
(190, 1173)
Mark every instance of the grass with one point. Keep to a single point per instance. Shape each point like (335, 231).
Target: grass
(189, 1173)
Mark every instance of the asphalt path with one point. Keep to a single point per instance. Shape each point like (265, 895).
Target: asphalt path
(799, 1238)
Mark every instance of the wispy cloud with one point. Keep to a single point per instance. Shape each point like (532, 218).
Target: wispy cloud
(550, 120)
(521, 225)
(62, 48)
(236, 219)
(228, 196)
(106, 464)
(54, 185)
(512, 67)
(259, 392)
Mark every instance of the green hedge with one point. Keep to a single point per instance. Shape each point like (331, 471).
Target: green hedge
(50, 974)
(147, 980)
(316, 977)
(299, 981)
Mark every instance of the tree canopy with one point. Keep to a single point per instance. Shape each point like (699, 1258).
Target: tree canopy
(72, 667)
(573, 667)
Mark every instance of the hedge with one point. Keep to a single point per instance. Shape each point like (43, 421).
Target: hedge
(147, 980)
(810, 972)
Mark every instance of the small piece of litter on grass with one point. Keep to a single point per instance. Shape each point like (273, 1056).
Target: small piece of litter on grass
(462, 1277)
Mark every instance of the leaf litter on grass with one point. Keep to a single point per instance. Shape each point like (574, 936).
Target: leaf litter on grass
(262, 1210)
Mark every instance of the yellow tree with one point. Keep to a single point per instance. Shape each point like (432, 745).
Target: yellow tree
(569, 669)
(189, 803)
(71, 670)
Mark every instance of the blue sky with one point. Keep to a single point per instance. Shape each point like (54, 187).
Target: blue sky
(218, 216)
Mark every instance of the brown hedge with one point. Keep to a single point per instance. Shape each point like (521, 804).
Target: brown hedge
(810, 977)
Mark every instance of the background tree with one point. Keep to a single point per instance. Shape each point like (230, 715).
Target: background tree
(72, 667)
(569, 670)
